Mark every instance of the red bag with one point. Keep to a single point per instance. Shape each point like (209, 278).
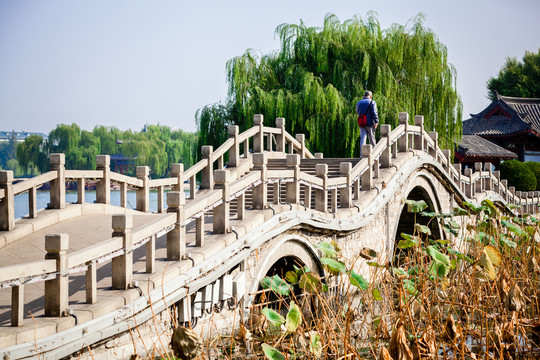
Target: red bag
(362, 118)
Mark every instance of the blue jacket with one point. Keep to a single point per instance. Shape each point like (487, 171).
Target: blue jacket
(372, 116)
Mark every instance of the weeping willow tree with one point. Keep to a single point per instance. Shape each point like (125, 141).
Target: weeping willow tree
(319, 73)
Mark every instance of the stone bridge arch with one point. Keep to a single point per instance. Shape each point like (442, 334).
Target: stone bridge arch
(278, 256)
(422, 185)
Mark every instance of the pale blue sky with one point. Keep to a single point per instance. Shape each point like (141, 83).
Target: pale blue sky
(127, 63)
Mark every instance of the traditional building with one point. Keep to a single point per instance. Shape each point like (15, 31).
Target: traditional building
(512, 123)
(473, 149)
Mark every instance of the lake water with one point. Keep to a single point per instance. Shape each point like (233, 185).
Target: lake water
(43, 198)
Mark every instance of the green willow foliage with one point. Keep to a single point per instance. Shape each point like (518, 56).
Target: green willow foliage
(158, 147)
(318, 75)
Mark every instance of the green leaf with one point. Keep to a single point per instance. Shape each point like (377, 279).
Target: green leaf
(439, 269)
(327, 249)
(460, 255)
(333, 265)
(272, 353)
(437, 255)
(358, 280)
(422, 228)
(276, 284)
(472, 208)
(505, 240)
(272, 316)
(315, 343)
(513, 228)
(410, 286)
(490, 208)
(291, 276)
(409, 241)
(294, 318)
(414, 206)
(430, 214)
(375, 264)
(460, 212)
(310, 283)
(453, 224)
(376, 294)
(400, 272)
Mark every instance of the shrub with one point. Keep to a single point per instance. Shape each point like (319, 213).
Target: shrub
(535, 167)
(519, 175)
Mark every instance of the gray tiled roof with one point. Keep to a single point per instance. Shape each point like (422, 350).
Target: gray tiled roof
(476, 146)
(524, 116)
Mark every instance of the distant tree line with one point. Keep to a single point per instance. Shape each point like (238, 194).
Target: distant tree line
(157, 147)
(517, 78)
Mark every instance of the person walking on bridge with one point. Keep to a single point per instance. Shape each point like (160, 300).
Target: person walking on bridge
(368, 119)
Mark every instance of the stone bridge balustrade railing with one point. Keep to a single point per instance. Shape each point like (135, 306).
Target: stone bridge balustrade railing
(219, 188)
(58, 264)
(263, 139)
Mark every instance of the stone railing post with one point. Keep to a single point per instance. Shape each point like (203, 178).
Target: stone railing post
(433, 151)
(122, 266)
(497, 183)
(479, 186)
(512, 194)
(386, 157)
(177, 171)
(469, 186)
(207, 180)
(7, 203)
(318, 155)
(504, 185)
(321, 195)
(80, 191)
(103, 186)
(176, 238)
(488, 182)
(292, 192)
(58, 185)
(301, 138)
(57, 290)
(260, 192)
(280, 138)
(419, 138)
(258, 139)
(518, 201)
(458, 180)
(530, 208)
(345, 193)
(448, 162)
(367, 176)
(17, 305)
(403, 141)
(143, 194)
(234, 151)
(222, 211)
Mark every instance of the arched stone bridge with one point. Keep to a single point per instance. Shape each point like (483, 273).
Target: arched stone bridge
(87, 289)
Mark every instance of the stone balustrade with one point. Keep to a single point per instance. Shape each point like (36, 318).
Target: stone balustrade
(219, 189)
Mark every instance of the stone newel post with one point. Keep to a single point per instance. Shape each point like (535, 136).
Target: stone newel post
(57, 290)
(321, 195)
(122, 266)
(222, 211)
(345, 193)
(280, 138)
(234, 151)
(7, 203)
(177, 171)
(403, 142)
(143, 194)
(58, 185)
(367, 176)
(258, 139)
(292, 194)
(176, 238)
(386, 157)
(301, 138)
(207, 180)
(103, 188)
(419, 139)
(435, 137)
(260, 192)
